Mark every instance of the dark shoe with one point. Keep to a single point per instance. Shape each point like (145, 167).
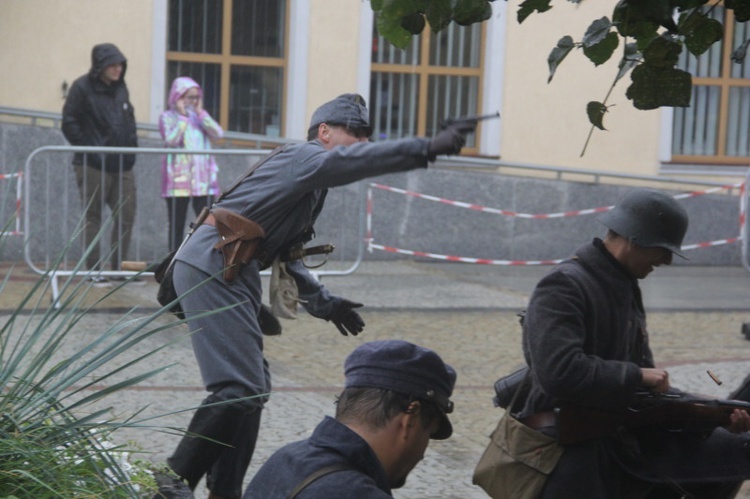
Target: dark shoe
(170, 486)
(746, 330)
(269, 324)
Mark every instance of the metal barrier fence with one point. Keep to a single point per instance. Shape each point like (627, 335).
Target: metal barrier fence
(52, 217)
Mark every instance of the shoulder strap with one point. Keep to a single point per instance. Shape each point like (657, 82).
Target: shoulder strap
(255, 166)
(315, 475)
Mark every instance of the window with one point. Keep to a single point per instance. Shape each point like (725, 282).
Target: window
(236, 50)
(439, 75)
(716, 127)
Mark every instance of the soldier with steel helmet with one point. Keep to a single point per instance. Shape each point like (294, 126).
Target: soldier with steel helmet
(586, 343)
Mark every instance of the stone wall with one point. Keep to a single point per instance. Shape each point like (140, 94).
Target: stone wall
(398, 220)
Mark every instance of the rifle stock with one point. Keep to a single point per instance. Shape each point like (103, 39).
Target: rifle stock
(673, 412)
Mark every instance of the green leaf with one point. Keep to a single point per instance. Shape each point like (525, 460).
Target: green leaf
(741, 9)
(439, 14)
(662, 52)
(596, 32)
(700, 32)
(396, 9)
(413, 23)
(629, 21)
(683, 5)
(602, 51)
(630, 59)
(376, 5)
(595, 111)
(528, 7)
(655, 11)
(468, 12)
(563, 48)
(655, 87)
(392, 31)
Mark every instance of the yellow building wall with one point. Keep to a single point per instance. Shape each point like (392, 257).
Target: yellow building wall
(44, 43)
(546, 123)
(333, 50)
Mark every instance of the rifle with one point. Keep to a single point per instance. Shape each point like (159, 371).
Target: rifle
(674, 412)
(467, 123)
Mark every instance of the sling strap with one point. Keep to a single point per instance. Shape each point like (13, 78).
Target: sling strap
(255, 166)
(315, 475)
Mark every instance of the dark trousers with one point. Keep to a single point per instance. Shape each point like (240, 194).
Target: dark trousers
(100, 189)
(228, 346)
(177, 209)
(220, 442)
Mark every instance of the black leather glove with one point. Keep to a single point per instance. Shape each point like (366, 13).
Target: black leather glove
(450, 139)
(345, 318)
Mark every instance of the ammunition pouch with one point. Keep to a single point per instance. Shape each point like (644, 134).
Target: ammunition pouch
(240, 239)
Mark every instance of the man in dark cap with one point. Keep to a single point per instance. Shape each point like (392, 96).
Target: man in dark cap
(586, 344)
(98, 112)
(273, 210)
(396, 398)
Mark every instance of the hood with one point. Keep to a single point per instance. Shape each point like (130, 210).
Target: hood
(179, 87)
(103, 55)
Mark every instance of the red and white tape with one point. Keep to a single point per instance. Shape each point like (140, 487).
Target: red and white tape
(495, 211)
(484, 261)
(451, 258)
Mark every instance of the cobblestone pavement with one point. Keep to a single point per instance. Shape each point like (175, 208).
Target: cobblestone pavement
(464, 313)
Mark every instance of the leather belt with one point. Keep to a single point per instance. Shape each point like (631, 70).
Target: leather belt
(210, 220)
(540, 420)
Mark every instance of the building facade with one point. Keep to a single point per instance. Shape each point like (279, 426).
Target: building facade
(266, 65)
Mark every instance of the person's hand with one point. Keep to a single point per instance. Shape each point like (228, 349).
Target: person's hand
(180, 106)
(656, 380)
(451, 139)
(345, 318)
(199, 105)
(739, 421)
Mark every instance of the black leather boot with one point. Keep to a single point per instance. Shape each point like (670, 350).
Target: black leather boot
(211, 431)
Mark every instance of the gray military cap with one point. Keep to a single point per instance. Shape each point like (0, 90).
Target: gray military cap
(349, 110)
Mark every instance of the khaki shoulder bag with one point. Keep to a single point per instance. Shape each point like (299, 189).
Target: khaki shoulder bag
(518, 459)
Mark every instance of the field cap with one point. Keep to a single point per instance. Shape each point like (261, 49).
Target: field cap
(349, 110)
(404, 368)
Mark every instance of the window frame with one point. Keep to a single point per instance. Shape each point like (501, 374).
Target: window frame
(424, 70)
(724, 82)
(225, 60)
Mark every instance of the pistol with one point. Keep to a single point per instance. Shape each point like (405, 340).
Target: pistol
(468, 122)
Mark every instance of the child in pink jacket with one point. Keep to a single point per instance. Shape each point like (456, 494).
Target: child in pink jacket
(187, 177)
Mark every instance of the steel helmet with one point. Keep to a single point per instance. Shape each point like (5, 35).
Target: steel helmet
(649, 218)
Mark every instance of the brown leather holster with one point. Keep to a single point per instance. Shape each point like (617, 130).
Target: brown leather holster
(241, 239)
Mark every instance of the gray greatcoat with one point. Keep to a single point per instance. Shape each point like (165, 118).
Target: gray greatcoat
(285, 196)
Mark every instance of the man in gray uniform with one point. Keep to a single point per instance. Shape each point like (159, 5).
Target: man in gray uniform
(280, 201)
